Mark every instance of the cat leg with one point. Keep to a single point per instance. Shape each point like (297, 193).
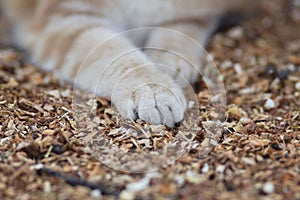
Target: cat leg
(96, 58)
(118, 70)
(179, 48)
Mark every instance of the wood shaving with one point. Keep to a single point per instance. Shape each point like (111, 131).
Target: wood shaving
(57, 142)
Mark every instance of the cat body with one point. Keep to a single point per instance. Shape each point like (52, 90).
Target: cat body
(79, 40)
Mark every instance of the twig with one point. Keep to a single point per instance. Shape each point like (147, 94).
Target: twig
(74, 181)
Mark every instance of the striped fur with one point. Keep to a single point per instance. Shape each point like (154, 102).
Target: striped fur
(61, 33)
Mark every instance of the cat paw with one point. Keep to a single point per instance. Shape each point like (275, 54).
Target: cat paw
(156, 103)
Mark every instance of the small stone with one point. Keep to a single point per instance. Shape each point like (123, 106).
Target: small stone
(259, 158)
(191, 104)
(238, 69)
(180, 180)
(205, 168)
(236, 33)
(245, 120)
(249, 161)
(297, 86)
(226, 64)
(220, 168)
(268, 188)
(269, 104)
(279, 118)
(96, 194)
(47, 187)
(143, 183)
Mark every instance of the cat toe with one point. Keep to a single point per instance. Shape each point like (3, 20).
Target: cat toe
(171, 107)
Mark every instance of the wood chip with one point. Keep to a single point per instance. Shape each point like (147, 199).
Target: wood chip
(62, 143)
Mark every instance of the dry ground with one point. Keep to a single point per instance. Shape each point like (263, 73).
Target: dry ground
(44, 127)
